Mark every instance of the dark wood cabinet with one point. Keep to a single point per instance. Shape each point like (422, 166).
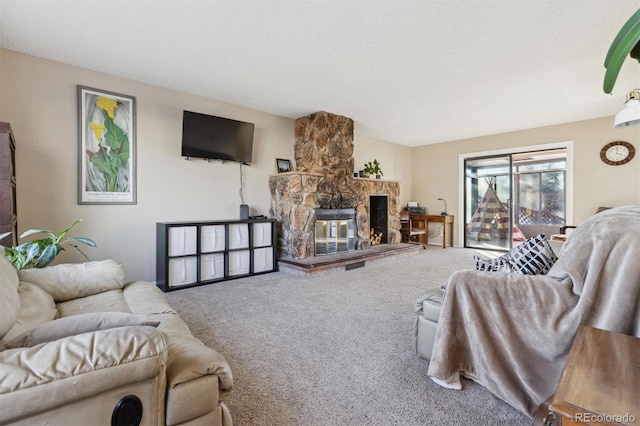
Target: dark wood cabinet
(8, 210)
(195, 253)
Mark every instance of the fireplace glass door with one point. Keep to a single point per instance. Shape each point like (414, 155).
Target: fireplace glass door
(334, 236)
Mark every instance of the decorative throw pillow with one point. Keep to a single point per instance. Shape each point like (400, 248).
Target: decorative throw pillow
(77, 324)
(499, 264)
(533, 257)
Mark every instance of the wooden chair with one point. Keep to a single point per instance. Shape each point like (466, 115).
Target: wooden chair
(563, 230)
(411, 229)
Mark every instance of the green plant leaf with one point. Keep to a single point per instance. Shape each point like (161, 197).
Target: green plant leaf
(11, 253)
(86, 241)
(47, 256)
(16, 258)
(43, 242)
(81, 252)
(115, 136)
(31, 252)
(101, 164)
(626, 28)
(125, 148)
(37, 231)
(635, 52)
(620, 48)
(67, 229)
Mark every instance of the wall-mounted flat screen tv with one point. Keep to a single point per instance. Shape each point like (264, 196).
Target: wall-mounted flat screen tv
(218, 138)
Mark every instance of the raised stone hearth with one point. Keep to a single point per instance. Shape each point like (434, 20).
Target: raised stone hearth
(324, 180)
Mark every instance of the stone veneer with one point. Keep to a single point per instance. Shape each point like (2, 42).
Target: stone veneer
(324, 179)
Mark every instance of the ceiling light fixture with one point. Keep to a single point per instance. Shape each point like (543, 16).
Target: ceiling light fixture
(630, 115)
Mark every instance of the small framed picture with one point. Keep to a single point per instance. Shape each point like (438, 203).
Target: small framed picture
(282, 165)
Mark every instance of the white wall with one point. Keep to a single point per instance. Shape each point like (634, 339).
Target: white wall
(38, 99)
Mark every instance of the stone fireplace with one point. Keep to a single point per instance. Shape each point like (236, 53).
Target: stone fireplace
(323, 182)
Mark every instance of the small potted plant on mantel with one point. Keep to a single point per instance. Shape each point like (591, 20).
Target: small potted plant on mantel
(373, 168)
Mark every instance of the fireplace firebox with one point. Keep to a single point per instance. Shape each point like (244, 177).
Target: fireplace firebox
(334, 231)
(378, 216)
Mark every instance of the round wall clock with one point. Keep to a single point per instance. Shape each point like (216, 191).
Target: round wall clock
(617, 153)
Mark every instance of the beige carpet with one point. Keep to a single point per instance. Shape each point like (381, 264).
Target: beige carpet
(335, 348)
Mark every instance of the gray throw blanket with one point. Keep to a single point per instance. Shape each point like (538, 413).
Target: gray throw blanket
(512, 333)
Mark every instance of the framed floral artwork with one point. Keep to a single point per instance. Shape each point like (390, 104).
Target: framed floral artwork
(107, 147)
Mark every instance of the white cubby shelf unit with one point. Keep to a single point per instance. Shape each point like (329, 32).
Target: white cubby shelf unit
(195, 253)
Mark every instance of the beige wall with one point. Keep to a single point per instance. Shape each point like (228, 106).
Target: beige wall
(436, 174)
(395, 161)
(38, 98)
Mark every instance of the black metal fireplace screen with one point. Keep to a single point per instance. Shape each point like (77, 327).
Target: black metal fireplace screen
(334, 231)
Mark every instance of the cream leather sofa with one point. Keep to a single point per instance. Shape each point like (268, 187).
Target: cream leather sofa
(76, 342)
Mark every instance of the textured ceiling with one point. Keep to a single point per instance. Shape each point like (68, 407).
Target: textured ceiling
(409, 72)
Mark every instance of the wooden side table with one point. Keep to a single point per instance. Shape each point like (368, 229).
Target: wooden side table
(600, 384)
(445, 220)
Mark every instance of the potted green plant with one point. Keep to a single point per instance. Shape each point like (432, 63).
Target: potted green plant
(41, 252)
(373, 168)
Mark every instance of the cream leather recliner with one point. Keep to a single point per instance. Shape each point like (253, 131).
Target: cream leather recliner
(428, 312)
(79, 346)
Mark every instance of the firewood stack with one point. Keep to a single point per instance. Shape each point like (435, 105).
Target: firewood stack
(374, 238)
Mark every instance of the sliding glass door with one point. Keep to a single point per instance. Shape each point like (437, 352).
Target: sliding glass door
(488, 218)
(540, 196)
(511, 197)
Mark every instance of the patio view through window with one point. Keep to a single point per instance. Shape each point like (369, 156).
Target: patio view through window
(532, 182)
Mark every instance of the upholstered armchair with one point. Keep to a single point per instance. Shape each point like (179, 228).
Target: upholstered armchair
(509, 323)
